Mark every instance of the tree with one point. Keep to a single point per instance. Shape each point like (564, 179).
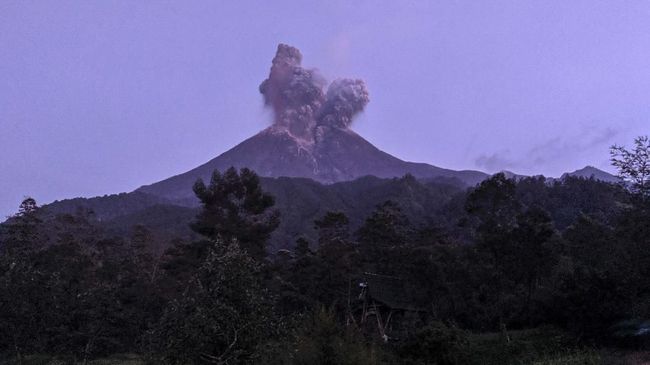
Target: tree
(634, 165)
(223, 316)
(633, 229)
(534, 255)
(593, 288)
(18, 280)
(234, 206)
(20, 234)
(495, 206)
(302, 247)
(383, 237)
(140, 252)
(332, 228)
(322, 277)
(387, 226)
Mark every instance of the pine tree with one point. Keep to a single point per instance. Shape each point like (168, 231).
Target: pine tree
(234, 206)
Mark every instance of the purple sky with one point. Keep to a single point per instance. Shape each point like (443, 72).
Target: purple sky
(102, 97)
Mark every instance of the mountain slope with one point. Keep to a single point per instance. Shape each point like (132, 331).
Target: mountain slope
(592, 172)
(340, 155)
(299, 200)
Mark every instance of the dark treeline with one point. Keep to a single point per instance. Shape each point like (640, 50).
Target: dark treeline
(569, 257)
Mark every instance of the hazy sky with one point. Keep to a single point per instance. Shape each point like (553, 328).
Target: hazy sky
(102, 97)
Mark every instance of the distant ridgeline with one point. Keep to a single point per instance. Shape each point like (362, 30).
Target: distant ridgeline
(437, 201)
(299, 200)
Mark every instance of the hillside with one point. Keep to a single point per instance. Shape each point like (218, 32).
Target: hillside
(299, 200)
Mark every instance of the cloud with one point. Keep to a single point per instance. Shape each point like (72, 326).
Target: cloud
(551, 152)
(557, 148)
(494, 162)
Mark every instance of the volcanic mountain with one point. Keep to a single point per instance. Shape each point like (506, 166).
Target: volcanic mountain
(310, 136)
(309, 160)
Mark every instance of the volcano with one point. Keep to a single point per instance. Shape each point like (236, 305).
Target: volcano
(310, 136)
(341, 155)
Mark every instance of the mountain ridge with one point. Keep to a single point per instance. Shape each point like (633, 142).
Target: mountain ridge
(339, 155)
(598, 174)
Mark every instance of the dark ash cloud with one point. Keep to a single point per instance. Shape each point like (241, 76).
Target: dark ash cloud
(299, 102)
(345, 99)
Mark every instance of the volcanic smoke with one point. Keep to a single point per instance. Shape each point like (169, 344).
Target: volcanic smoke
(299, 102)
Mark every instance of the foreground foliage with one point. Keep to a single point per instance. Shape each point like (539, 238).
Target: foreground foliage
(518, 272)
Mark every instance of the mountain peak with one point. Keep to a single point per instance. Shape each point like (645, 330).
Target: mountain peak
(593, 172)
(310, 135)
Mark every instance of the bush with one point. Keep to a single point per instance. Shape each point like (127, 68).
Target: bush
(519, 347)
(320, 340)
(438, 344)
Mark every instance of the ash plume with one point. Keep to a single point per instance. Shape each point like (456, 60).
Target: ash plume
(345, 98)
(294, 93)
(299, 102)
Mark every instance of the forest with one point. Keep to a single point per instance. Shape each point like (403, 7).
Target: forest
(512, 271)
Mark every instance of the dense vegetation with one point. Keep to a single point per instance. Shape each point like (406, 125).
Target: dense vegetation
(527, 271)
